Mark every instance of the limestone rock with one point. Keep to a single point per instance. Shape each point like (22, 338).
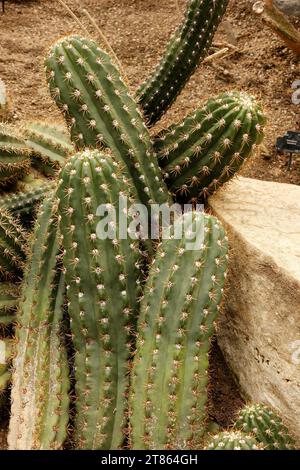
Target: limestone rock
(289, 7)
(259, 332)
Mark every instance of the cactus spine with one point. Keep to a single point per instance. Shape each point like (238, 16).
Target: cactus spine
(13, 244)
(9, 301)
(51, 146)
(88, 88)
(233, 440)
(208, 147)
(181, 302)
(14, 155)
(102, 279)
(39, 412)
(266, 426)
(187, 48)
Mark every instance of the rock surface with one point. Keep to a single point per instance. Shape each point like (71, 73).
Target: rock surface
(289, 7)
(259, 332)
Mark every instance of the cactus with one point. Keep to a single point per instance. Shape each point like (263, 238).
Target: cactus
(103, 288)
(187, 48)
(232, 440)
(6, 349)
(39, 412)
(181, 302)
(14, 155)
(13, 246)
(50, 144)
(23, 202)
(88, 88)
(9, 300)
(208, 147)
(266, 426)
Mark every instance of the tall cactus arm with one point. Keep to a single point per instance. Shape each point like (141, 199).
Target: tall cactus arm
(188, 47)
(88, 88)
(200, 154)
(102, 290)
(266, 426)
(39, 378)
(23, 202)
(181, 302)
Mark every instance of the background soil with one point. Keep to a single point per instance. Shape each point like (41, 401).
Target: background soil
(138, 31)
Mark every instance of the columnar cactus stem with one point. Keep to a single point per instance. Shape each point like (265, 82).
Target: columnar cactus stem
(97, 104)
(266, 426)
(188, 47)
(200, 154)
(103, 288)
(13, 246)
(39, 412)
(233, 440)
(51, 145)
(23, 202)
(14, 155)
(181, 302)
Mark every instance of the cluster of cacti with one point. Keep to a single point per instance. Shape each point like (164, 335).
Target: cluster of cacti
(266, 426)
(137, 354)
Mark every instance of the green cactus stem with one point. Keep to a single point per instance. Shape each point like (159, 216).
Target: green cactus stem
(9, 300)
(14, 155)
(96, 102)
(267, 427)
(13, 246)
(187, 48)
(39, 411)
(6, 354)
(24, 202)
(232, 440)
(208, 147)
(181, 302)
(102, 291)
(50, 144)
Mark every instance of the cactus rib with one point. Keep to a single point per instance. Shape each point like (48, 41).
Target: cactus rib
(188, 47)
(89, 90)
(39, 412)
(9, 300)
(23, 202)
(102, 290)
(14, 155)
(200, 154)
(181, 302)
